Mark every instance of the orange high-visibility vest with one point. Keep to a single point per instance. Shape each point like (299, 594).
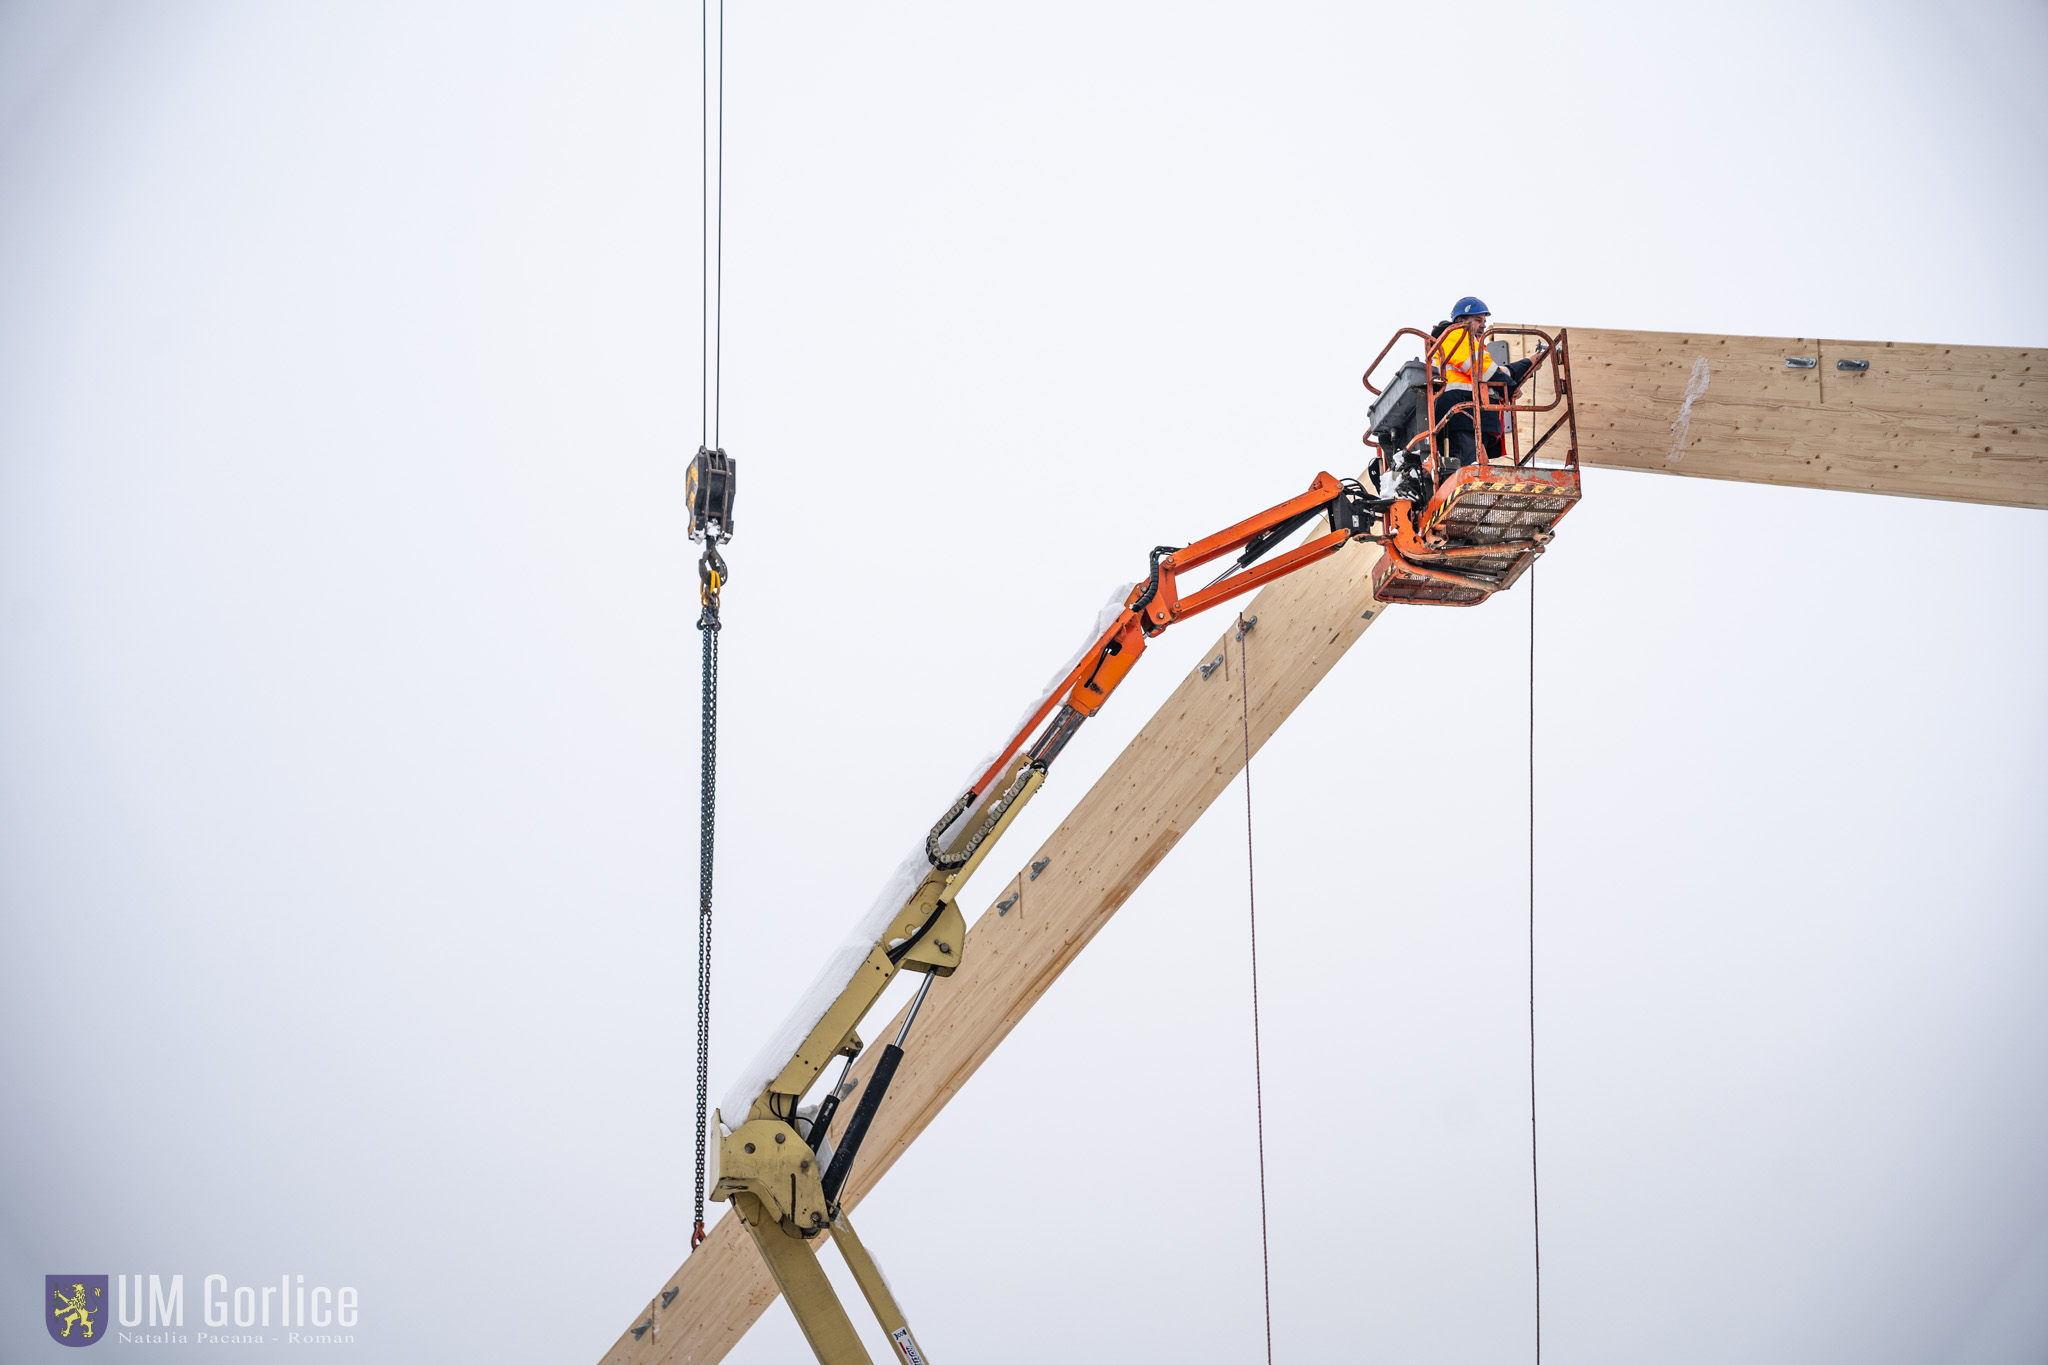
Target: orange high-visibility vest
(1457, 354)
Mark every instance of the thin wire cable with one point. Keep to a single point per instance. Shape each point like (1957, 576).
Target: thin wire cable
(1535, 1183)
(718, 309)
(1251, 883)
(704, 221)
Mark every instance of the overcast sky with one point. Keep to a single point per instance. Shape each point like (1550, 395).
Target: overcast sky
(348, 689)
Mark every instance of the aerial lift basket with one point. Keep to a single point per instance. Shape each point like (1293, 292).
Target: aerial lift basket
(1458, 534)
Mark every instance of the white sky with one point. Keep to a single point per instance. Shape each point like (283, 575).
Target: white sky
(348, 690)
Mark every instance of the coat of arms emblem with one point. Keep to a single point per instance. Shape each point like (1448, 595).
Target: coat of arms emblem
(75, 1308)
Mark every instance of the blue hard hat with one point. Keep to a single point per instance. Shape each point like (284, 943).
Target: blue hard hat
(1467, 306)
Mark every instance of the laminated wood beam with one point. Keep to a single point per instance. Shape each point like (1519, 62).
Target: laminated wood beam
(1105, 848)
(1961, 423)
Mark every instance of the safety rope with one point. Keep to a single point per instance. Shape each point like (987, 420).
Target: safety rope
(1535, 1185)
(711, 569)
(1251, 883)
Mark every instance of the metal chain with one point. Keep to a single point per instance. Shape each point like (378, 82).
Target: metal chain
(707, 626)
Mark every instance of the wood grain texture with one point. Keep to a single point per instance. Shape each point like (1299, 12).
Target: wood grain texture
(1962, 423)
(1102, 851)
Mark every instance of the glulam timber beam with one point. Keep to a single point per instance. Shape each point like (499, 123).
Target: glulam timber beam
(1960, 423)
(1132, 817)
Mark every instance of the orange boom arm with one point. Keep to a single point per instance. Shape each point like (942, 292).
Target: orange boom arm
(1157, 603)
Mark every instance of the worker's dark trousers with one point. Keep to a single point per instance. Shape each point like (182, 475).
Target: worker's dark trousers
(1456, 433)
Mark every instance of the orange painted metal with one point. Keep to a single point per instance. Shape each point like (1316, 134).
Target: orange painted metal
(1325, 487)
(1485, 523)
(1480, 533)
(1300, 557)
(1493, 399)
(1116, 652)
(1480, 530)
(1118, 656)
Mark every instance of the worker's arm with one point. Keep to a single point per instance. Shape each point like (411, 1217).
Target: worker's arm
(1518, 370)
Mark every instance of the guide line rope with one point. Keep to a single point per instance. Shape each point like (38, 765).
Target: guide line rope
(1251, 882)
(1535, 1183)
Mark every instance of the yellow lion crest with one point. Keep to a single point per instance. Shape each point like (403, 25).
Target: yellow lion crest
(72, 1311)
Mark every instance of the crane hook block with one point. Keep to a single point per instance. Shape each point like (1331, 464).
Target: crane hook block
(708, 488)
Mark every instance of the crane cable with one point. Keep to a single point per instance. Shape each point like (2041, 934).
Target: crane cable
(714, 288)
(711, 571)
(1252, 903)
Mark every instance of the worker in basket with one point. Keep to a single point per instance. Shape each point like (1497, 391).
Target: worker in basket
(1461, 355)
